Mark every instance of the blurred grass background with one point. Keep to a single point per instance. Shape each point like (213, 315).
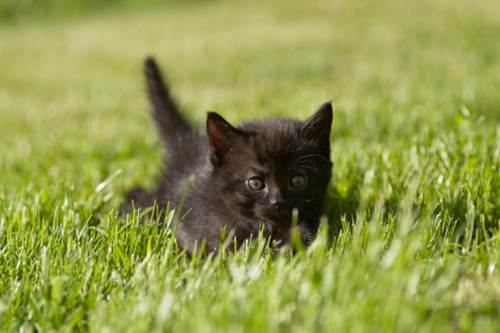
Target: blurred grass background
(400, 75)
(416, 137)
(15, 10)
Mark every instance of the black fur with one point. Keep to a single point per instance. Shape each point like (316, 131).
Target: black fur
(221, 164)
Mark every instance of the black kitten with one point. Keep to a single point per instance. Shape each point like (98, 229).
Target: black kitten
(246, 179)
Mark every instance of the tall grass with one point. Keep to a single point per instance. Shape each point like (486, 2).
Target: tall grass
(410, 238)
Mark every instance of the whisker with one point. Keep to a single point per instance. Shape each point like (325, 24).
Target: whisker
(312, 199)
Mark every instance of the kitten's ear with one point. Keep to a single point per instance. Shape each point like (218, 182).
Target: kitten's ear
(318, 126)
(220, 134)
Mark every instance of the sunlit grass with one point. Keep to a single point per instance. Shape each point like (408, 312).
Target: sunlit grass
(413, 208)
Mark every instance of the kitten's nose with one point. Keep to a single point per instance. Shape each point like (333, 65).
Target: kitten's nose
(277, 201)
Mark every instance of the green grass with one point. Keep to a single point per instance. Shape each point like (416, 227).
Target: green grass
(414, 203)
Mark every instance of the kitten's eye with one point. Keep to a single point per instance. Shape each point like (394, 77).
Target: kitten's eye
(298, 181)
(255, 183)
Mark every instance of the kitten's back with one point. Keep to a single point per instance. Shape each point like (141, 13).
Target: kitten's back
(186, 149)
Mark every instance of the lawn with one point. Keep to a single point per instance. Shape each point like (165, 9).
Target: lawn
(410, 239)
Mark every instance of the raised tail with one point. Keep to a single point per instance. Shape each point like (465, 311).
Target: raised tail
(171, 125)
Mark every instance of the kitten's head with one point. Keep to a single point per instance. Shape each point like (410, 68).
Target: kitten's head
(265, 169)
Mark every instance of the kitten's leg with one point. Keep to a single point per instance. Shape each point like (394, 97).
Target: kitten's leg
(138, 197)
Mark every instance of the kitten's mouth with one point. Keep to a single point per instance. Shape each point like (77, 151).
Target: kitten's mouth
(275, 223)
(280, 217)
(278, 225)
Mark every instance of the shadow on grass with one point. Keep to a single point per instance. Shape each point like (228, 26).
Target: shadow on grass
(341, 207)
(455, 218)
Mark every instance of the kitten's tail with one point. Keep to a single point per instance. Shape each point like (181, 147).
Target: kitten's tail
(171, 125)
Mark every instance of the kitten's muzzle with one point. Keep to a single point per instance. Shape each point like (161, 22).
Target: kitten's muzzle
(279, 212)
(276, 201)
(278, 205)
